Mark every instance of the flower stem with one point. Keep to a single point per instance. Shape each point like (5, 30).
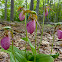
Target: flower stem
(52, 44)
(26, 35)
(25, 27)
(12, 44)
(54, 36)
(42, 30)
(35, 43)
(53, 39)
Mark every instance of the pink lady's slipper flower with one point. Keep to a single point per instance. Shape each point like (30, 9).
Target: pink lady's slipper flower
(21, 16)
(46, 12)
(31, 26)
(5, 43)
(59, 33)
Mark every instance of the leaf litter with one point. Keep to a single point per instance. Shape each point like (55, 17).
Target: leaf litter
(19, 32)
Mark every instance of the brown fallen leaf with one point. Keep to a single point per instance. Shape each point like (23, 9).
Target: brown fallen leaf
(60, 45)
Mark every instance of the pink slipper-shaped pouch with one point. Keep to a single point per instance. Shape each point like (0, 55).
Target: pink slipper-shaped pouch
(31, 26)
(59, 33)
(21, 16)
(5, 43)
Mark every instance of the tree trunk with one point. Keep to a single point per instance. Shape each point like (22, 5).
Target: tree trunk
(37, 11)
(37, 7)
(48, 1)
(12, 10)
(5, 9)
(31, 4)
(55, 13)
(60, 12)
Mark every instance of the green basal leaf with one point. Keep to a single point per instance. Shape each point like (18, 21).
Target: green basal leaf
(28, 55)
(6, 27)
(25, 39)
(30, 61)
(55, 55)
(42, 58)
(20, 57)
(11, 57)
(32, 47)
(5, 50)
(16, 50)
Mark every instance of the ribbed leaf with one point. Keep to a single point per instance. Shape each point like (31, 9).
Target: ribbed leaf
(16, 50)
(5, 50)
(55, 55)
(32, 47)
(11, 57)
(18, 54)
(20, 58)
(28, 54)
(44, 58)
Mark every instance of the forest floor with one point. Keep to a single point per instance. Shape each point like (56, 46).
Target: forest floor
(19, 32)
